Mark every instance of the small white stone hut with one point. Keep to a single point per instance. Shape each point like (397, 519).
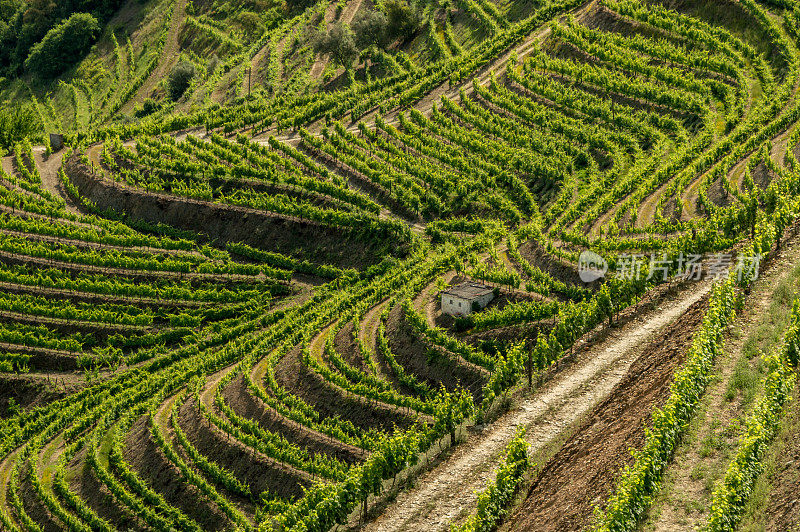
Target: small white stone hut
(458, 300)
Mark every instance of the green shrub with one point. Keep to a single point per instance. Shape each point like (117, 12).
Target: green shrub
(148, 107)
(371, 28)
(63, 46)
(403, 19)
(180, 77)
(339, 42)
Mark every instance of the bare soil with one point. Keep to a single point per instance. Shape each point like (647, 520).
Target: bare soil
(43, 359)
(34, 506)
(32, 390)
(330, 401)
(149, 462)
(583, 473)
(239, 398)
(346, 346)
(48, 170)
(558, 269)
(7, 164)
(762, 176)
(718, 195)
(293, 236)
(256, 471)
(429, 365)
(97, 496)
(369, 335)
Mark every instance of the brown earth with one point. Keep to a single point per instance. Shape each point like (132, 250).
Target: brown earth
(432, 366)
(44, 359)
(527, 332)
(331, 401)
(259, 473)
(223, 223)
(96, 495)
(346, 346)
(34, 506)
(583, 473)
(670, 210)
(32, 390)
(146, 458)
(718, 195)
(369, 335)
(239, 398)
(48, 167)
(558, 269)
(762, 176)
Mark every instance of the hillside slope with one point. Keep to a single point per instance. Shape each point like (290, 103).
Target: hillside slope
(220, 305)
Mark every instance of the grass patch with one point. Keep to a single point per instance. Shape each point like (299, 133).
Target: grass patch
(755, 518)
(713, 442)
(744, 382)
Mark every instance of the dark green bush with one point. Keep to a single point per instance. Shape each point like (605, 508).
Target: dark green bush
(179, 79)
(148, 107)
(23, 24)
(371, 29)
(63, 46)
(464, 323)
(339, 42)
(403, 19)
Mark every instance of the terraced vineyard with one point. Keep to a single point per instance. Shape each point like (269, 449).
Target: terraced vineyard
(224, 316)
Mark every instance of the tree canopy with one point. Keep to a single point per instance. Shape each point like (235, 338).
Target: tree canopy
(339, 42)
(23, 24)
(370, 29)
(63, 46)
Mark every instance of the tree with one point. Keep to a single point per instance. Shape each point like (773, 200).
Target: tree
(371, 29)
(63, 46)
(403, 19)
(16, 123)
(339, 42)
(29, 21)
(251, 23)
(179, 79)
